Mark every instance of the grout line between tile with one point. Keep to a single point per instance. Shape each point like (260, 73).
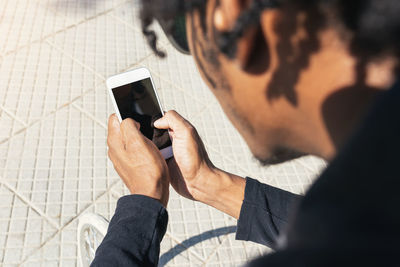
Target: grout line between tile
(245, 250)
(62, 51)
(51, 156)
(137, 62)
(69, 222)
(98, 14)
(215, 250)
(89, 115)
(115, 194)
(12, 135)
(185, 226)
(25, 236)
(8, 226)
(12, 20)
(162, 42)
(13, 116)
(188, 248)
(48, 114)
(62, 30)
(22, 23)
(305, 166)
(180, 89)
(227, 158)
(30, 204)
(83, 64)
(92, 70)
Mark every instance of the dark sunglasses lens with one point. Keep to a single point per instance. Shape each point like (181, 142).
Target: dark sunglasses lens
(176, 33)
(179, 35)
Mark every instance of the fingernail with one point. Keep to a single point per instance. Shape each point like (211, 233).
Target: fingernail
(156, 123)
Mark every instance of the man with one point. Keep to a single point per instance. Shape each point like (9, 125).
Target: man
(295, 78)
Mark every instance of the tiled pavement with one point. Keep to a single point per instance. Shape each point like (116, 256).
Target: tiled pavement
(54, 58)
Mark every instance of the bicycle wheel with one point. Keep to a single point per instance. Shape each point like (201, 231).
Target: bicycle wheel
(91, 230)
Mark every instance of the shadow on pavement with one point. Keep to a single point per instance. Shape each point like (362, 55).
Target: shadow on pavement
(194, 240)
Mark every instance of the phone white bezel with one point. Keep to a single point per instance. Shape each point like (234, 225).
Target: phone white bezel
(130, 77)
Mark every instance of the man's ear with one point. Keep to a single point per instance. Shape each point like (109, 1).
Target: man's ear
(226, 14)
(249, 47)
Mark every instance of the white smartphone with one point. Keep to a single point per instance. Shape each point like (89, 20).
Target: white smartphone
(134, 96)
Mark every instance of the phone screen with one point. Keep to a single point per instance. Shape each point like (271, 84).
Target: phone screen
(139, 102)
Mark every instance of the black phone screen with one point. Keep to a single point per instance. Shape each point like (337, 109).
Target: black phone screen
(139, 102)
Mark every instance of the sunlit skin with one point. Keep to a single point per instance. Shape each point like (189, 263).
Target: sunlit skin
(302, 92)
(276, 120)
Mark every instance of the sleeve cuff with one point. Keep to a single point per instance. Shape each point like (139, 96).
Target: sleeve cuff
(247, 210)
(130, 202)
(264, 213)
(134, 233)
(142, 209)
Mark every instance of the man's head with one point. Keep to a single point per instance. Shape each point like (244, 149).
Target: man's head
(294, 77)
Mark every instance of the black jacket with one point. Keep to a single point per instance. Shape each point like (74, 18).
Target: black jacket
(349, 217)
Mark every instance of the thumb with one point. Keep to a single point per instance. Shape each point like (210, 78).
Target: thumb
(161, 123)
(172, 120)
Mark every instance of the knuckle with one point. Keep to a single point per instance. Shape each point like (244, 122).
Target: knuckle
(171, 113)
(109, 142)
(125, 122)
(132, 142)
(123, 127)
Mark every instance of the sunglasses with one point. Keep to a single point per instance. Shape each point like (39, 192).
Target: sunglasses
(177, 36)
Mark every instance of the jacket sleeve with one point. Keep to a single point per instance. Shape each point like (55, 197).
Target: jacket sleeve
(264, 213)
(134, 233)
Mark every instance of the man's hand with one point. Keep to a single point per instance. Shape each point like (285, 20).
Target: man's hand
(193, 175)
(137, 160)
(190, 167)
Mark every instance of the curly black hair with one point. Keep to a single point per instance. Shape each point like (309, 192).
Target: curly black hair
(164, 11)
(374, 24)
